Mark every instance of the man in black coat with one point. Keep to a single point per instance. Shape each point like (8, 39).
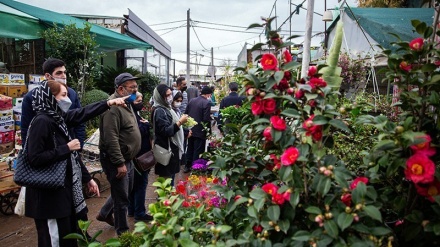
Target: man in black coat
(200, 109)
(232, 99)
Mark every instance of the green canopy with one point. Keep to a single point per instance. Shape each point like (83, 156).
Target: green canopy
(21, 27)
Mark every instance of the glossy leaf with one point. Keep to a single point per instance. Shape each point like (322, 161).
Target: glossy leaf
(331, 228)
(273, 212)
(344, 220)
(373, 212)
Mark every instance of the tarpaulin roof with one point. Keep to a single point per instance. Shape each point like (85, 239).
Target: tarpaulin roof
(16, 25)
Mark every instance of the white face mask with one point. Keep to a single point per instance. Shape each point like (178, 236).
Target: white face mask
(64, 104)
(170, 100)
(177, 104)
(64, 81)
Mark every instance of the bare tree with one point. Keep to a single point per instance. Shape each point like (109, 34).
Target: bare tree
(382, 3)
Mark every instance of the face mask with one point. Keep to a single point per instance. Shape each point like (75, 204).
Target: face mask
(138, 107)
(131, 99)
(177, 104)
(64, 81)
(64, 104)
(170, 100)
(184, 88)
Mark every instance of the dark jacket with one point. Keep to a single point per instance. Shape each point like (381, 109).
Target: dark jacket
(232, 99)
(192, 93)
(164, 128)
(51, 204)
(199, 109)
(119, 135)
(144, 128)
(27, 113)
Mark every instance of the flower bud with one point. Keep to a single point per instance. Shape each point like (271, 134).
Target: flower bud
(328, 173)
(164, 232)
(359, 206)
(277, 228)
(322, 169)
(347, 210)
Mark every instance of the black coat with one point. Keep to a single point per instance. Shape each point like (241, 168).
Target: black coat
(164, 128)
(199, 109)
(44, 132)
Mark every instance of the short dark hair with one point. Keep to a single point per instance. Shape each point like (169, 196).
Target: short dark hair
(180, 80)
(51, 64)
(233, 86)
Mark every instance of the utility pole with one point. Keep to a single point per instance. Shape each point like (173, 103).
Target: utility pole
(188, 62)
(308, 38)
(212, 63)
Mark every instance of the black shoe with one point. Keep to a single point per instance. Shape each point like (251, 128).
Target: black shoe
(146, 217)
(109, 219)
(187, 169)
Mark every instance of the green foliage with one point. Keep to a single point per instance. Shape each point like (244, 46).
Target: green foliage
(77, 47)
(89, 97)
(128, 239)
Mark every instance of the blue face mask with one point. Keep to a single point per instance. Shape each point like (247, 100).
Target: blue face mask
(64, 104)
(132, 98)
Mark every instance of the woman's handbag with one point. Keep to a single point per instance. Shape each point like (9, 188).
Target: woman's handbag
(46, 177)
(161, 154)
(146, 161)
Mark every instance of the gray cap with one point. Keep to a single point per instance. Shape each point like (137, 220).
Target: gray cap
(120, 79)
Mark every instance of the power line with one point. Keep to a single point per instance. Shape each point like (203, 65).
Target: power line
(168, 28)
(164, 23)
(198, 38)
(183, 25)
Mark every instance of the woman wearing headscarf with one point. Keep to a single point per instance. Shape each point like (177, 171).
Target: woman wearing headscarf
(177, 102)
(54, 210)
(167, 130)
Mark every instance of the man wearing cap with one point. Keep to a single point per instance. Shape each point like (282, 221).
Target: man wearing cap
(119, 142)
(200, 109)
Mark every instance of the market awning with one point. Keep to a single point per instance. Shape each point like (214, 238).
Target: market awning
(19, 26)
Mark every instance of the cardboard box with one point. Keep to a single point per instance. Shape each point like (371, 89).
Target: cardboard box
(5, 102)
(18, 140)
(7, 126)
(16, 79)
(6, 137)
(17, 114)
(17, 102)
(36, 79)
(6, 118)
(4, 89)
(4, 79)
(4, 113)
(17, 125)
(16, 91)
(6, 147)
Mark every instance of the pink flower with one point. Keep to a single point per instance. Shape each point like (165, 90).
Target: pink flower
(420, 169)
(278, 199)
(270, 188)
(424, 147)
(269, 61)
(278, 123)
(416, 44)
(312, 71)
(289, 156)
(257, 106)
(269, 106)
(287, 57)
(346, 199)
(317, 82)
(299, 94)
(355, 182)
(267, 133)
(405, 66)
(429, 190)
(257, 228)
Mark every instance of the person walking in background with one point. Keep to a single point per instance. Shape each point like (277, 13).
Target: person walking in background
(199, 109)
(136, 207)
(213, 101)
(119, 143)
(232, 99)
(181, 87)
(168, 131)
(55, 210)
(192, 92)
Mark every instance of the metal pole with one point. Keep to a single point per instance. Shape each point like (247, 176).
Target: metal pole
(308, 38)
(325, 30)
(290, 23)
(212, 64)
(188, 78)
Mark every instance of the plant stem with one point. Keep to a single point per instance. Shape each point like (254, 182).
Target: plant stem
(306, 198)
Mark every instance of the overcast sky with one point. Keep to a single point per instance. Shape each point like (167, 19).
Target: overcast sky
(224, 13)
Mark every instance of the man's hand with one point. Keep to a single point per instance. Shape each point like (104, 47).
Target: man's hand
(118, 101)
(122, 170)
(93, 187)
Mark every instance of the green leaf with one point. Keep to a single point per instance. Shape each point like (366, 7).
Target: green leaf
(320, 120)
(279, 75)
(344, 220)
(290, 112)
(302, 236)
(428, 68)
(261, 121)
(257, 193)
(373, 212)
(284, 225)
(385, 145)
(415, 216)
(313, 210)
(331, 228)
(186, 242)
(436, 229)
(421, 28)
(324, 185)
(273, 212)
(339, 124)
(252, 212)
(74, 236)
(257, 46)
(380, 231)
(358, 193)
(291, 65)
(428, 32)
(270, 83)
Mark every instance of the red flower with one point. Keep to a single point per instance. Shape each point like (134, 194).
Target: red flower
(267, 133)
(405, 66)
(278, 199)
(270, 188)
(286, 195)
(299, 94)
(287, 75)
(346, 199)
(355, 182)
(317, 133)
(420, 169)
(287, 57)
(317, 82)
(276, 162)
(289, 156)
(186, 204)
(312, 71)
(416, 44)
(269, 106)
(257, 106)
(424, 147)
(269, 61)
(429, 190)
(278, 123)
(258, 229)
(312, 103)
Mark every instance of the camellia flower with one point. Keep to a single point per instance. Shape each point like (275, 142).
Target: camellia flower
(278, 199)
(420, 169)
(405, 66)
(429, 190)
(346, 199)
(312, 71)
(270, 188)
(267, 133)
(355, 182)
(299, 94)
(257, 228)
(269, 105)
(416, 44)
(278, 123)
(424, 147)
(317, 82)
(287, 57)
(269, 61)
(257, 106)
(289, 156)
